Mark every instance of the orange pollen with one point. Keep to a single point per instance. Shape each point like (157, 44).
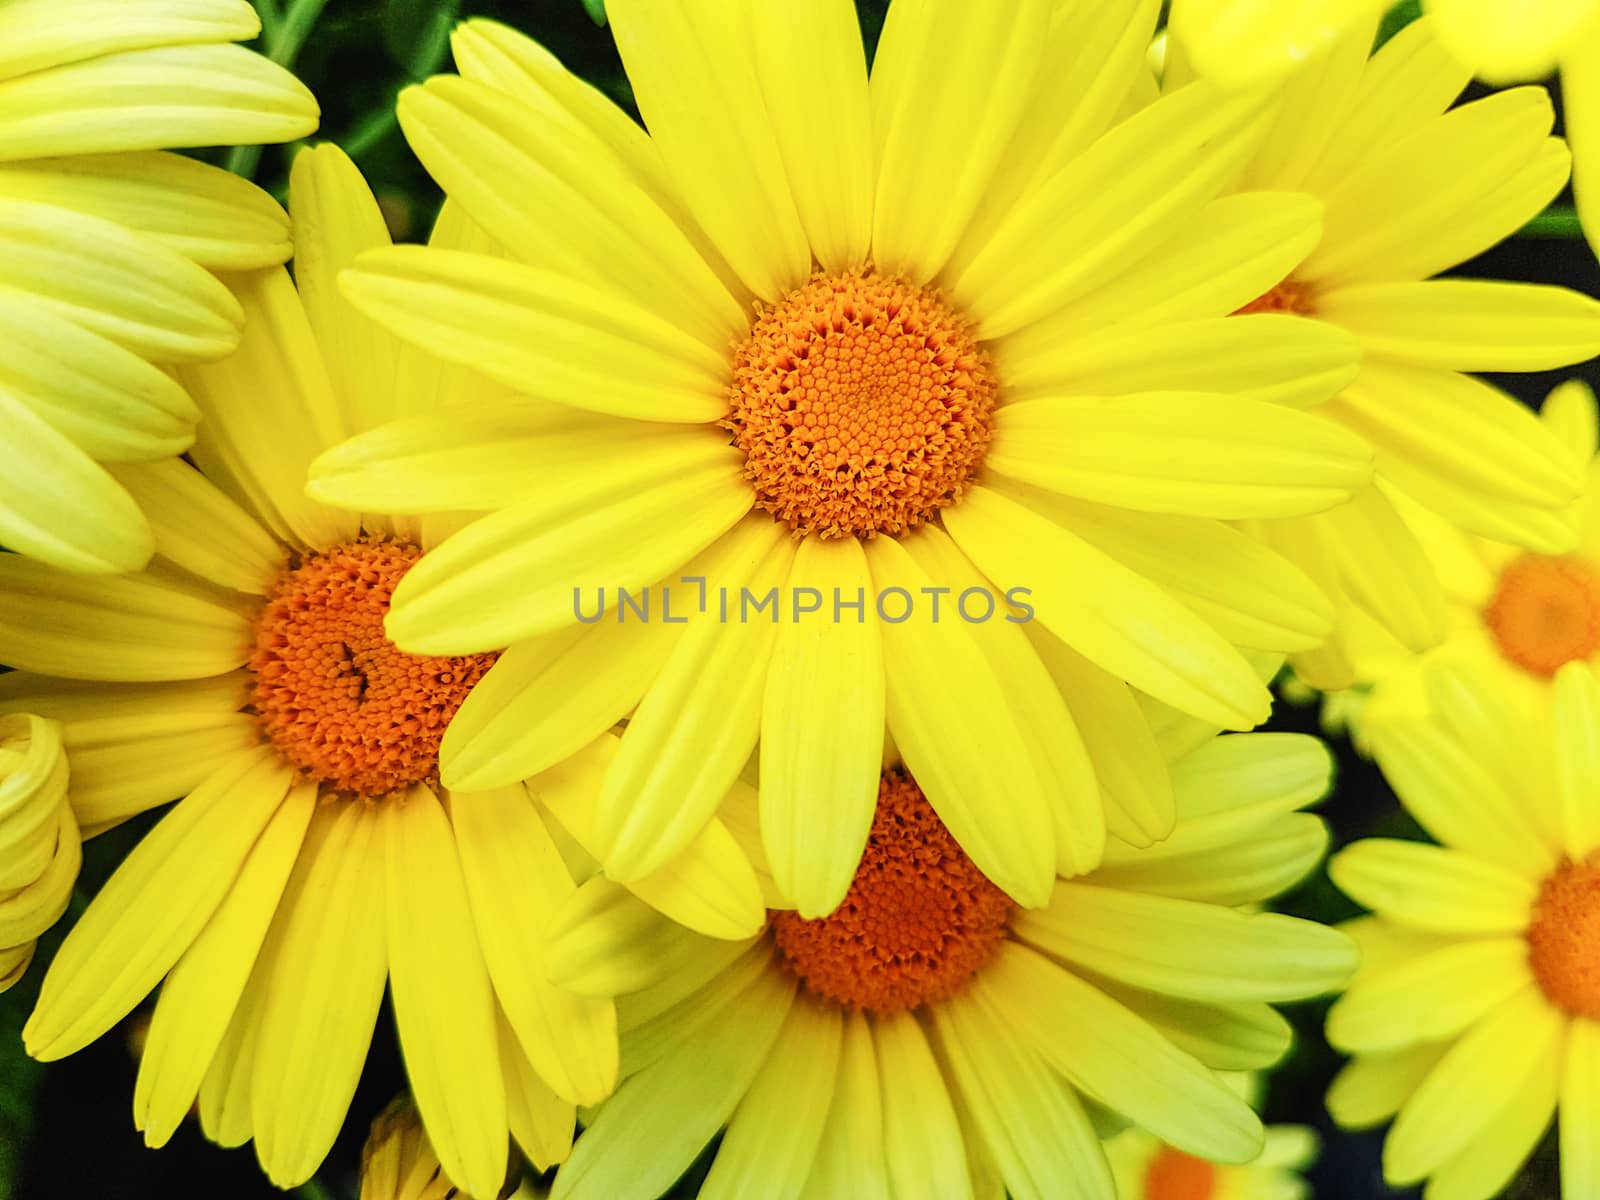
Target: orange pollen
(1291, 296)
(918, 922)
(1174, 1175)
(863, 405)
(1546, 612)
(1564, 938)
(333, 694)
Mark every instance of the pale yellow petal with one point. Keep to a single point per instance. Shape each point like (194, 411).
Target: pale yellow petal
(1576, 734)
(1580, 1109)
(822, 723)
(850, 1159)
(152, 908)
(134, 627)
(698, 723)
(1433, 888)
(37, 34)
(1120, 621)
(949, 87)
(623, 528)
(541, 1121)
(443, 1004)
(1370, 1089)
(1226, 1036)
(1278, 856)
(604, 941)
(202, 991)
(204, 213)
(162, 97)
(325, 985)
(516, 882)
(923, 1145)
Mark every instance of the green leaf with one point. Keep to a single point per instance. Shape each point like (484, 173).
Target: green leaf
(596, 10)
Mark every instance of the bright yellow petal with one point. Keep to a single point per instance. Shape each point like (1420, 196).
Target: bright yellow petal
(1580, 1109)
(37, 34)
(1580, 103)
(202, 212)
(131, 627)
(923, 1145)
(268, 411)
(1576, 720)
(1119, 621)
(1238, 42)
(1278, 856)
(200, 529)
(516, 882)
(822, 731)
(322, 993)
(548, 697)
(152, 908)
(625, 527)
(850, 1159)
(1236, 1036)
(605, 941)
(699, 721)
(1155, 170)
(59, 506)
(541, 1121)
(1570, 412)
(202, 991)
(1371, 1088)
(949, 86)
(443, 1003)
(164, 97)
(1433, 888)
(1509, 43)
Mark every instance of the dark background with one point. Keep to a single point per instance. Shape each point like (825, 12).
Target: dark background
(66, 1129)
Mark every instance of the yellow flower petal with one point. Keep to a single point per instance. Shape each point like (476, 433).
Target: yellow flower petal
(516, 882)
(699, 721)
(1108, 613)
(59, 506)
(443, 1003)
(133, 627)
(850, 1158)
(1238, 1036)
(160, 98)
(1115, 1057)
(1371, 1089)
(541, 1121)
(202, 212)
(1575, 722)
(202, 991)
(322, 992)
(1433, 888)
(1278, 856)
(1495, 1157)
(604, 941)
(813, 73)
(1580, 105)
(923, 1145)
(949, 87)
(37, 34)
(822, 726)
(1509, 43)
(1238, 42)
(1580, 1109)
(152, 908)
(1569, 410)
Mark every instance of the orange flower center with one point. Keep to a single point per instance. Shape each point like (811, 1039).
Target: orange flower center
(1174, 1175)
(1291, 296)
(918, 922)
(1564, 938)
(333, 694)
(1546, 612)
(863, 406)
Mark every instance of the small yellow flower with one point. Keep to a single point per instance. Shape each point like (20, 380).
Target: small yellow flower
(1475, 1016)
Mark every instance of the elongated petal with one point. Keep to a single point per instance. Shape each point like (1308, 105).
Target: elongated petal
(950, 717)
(132, 627)
(822, 732)
(1248, 872)
(1034, 1128)
(1156, 169)
(1199, 951)
(1189, 453)
(1429, 887)
(1114, 1056)
(202, 991)
(677, 1104)
(206, 214)
(1580, 1108)
(59, 506)
(38, 34)
(326, 984)
(443, 1003)
(1119, 621)
(697, 725)
(1504, 45)
(923, 1144)
(548, 697)
(1469, 324)
(150, 911)
(1371, 1089)
(160, 98)
(850, 1158)
(624, 528)
(1577, 752)
(541, 1121)
(1238, 42)
(516, 882)
(605, 941)
(543, 333)
(945, 75)
(1226, 1036)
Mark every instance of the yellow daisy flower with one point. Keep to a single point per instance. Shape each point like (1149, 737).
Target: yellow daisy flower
(932, 1039)
(1476, 1012)
(40, 850)
(857, 347)
(1511, 614)
(104, 238)
(314, 858)
(1411, 187)
(1146, 1169)
(398, 1162)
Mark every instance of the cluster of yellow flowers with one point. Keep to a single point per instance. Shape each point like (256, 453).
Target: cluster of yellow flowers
(753, 631)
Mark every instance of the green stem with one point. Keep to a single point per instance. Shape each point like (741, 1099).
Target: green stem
(312, 1190)
(285, 36)
(271, 17)
(1557, 221)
